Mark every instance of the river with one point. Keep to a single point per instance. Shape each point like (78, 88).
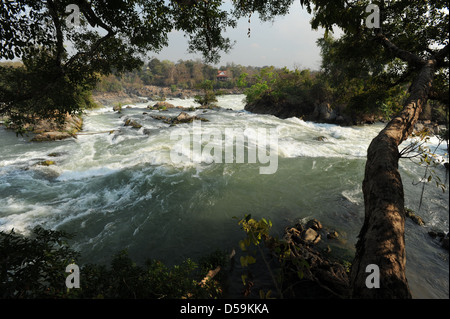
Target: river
(124, 190)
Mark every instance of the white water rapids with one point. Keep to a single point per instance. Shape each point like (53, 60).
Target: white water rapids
(122, 190)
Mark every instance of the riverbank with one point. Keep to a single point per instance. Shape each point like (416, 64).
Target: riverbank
(325, 113)
(322, 113)
(152, 93)
(50, 130)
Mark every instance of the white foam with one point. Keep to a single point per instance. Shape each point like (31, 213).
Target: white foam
(80, 175)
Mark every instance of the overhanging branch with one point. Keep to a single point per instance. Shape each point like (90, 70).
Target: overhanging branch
(400, 53)
(94, 21)
(441, 55)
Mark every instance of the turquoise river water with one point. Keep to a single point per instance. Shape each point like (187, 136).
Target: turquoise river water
(124, 190)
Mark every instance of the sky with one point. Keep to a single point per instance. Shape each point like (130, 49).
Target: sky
(287, 42)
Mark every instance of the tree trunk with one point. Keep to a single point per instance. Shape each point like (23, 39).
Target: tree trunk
(382, 239)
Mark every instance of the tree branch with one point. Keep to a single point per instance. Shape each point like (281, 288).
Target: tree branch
(59, 34)
(400, 53)
(441, 55)
(94, 21)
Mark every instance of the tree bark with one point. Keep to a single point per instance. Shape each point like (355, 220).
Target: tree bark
(381, 239)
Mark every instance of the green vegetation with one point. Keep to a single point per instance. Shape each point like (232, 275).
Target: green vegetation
(52, 81)
(288, 265)
(389, 70)
(186, 74)
(283, 86)
(356, 89)
(34, 267)
(209, 97)
(103, 39)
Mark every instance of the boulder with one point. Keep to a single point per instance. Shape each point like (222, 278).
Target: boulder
(324, 113)
(161, 106)
(314, 224)
(333, 235)
(320, 138)
(183, 117)
(132, 123)
(323, 278)
(51, 136)
(310, 236)
(46, 163)
(56, 154)
(415, 218)
(50, 130)
(340, 120)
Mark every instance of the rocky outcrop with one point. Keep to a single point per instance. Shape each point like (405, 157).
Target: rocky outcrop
(414, 217)
(161, 106)
(150, 92)
(269, 106)
(321, 113)
(323, 278)
(109, 98)
(440, 238)
(48, 130)
(132, 123)
(181, 118)
(430, 126)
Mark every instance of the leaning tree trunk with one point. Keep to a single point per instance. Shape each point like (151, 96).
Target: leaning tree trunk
(382, 239)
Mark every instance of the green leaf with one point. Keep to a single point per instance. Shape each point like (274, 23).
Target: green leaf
(261, 294)
(243, 261)
(251, 260)
(244, 279)
(242, 245)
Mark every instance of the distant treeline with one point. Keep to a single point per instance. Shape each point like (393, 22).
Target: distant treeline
(187, 74)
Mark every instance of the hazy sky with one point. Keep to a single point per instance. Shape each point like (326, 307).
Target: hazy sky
(289, 41)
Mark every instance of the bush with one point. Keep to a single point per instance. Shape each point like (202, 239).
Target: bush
(34, 267)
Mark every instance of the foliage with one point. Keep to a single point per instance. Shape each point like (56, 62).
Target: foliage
(109, 83)
(360, 71)
(107, 38)
(302, 89)
(358, 85)
(371, 69)
(127, 280)
(418, 149)
(30, 91)
(184, 74)
(209, 97)
(34, 267)
(257, 232)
